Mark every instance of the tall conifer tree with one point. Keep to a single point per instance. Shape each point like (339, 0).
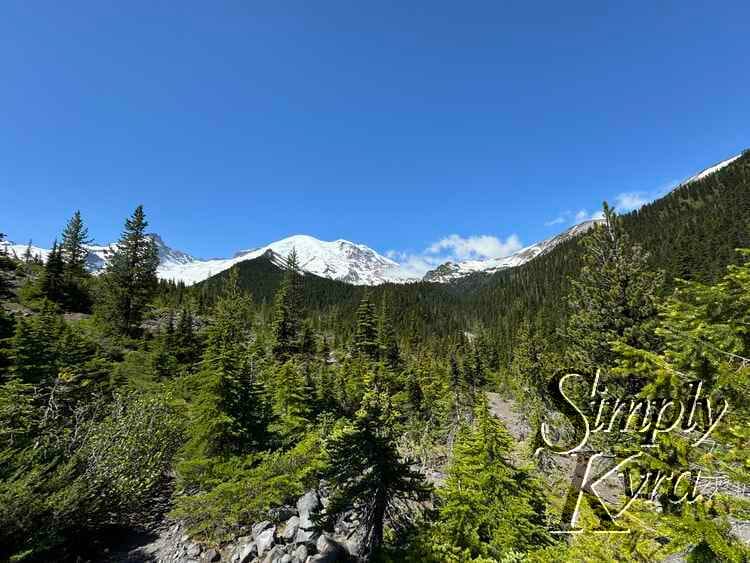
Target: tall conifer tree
(287, 316)
(130, 278)
(613, 297)
(74, 238)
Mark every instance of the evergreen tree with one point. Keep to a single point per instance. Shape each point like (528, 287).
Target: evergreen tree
(291, 403)
(489, 508)
(35, 344)
(387, 343)
(287, 316)
(18, 414)
(474, 372)
(230, 409)
(613, 298)
(74, 238)
(52, 281)
(187, 343)
(129, 280)
(366, 341)
(368, 476)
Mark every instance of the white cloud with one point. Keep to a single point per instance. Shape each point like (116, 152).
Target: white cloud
(628, 201)
(477, 247)
(556, 221)
(570, 218)
(624, 202)
(583, 215)
(455, 248)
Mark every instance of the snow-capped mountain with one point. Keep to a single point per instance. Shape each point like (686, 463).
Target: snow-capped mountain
(454, 270)
(710, 170)
(98, 255)
(337, 260)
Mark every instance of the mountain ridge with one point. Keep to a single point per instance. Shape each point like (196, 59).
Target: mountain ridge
(341, 259)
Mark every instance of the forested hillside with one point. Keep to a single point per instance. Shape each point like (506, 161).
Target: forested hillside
(691, 233)
(272, 416)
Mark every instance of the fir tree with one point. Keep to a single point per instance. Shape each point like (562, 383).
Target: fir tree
(36, 347)
(287, 316)
(613, 297)
(19, 415)
(27, 254)
(230, 407)
(489, 508)
(366, 336)
(74, 238)
(368, 476)
(187, 343)
(387, 343)
(291, 403)
(129, 280)
(52, 281)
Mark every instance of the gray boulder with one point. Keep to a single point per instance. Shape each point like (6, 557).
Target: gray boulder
(259, 527)
(307, 505)
(275, 555)
(264, 540)
(246, 550)
(300, 554)
(330, 549)
(290, 529)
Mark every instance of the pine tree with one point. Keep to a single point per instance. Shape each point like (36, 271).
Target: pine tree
(613, 298)
(368, 476)
(35, 344)
(230, 407)
(187, 343)
(366, 336)
(387, 343)
(489, 508)
(291, 403)
(52, 281)
(74, 238)
(129, 280)
(287, 316)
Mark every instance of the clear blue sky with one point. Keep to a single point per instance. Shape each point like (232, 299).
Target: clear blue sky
(394, 124)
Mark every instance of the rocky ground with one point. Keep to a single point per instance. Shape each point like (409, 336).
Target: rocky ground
(291, 539)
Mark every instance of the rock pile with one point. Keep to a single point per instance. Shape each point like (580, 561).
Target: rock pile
(288, 536)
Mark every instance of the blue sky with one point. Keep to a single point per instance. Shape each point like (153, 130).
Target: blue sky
(421, 128)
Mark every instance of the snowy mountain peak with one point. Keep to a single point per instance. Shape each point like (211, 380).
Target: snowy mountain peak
(339, 260)
(170, 255)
